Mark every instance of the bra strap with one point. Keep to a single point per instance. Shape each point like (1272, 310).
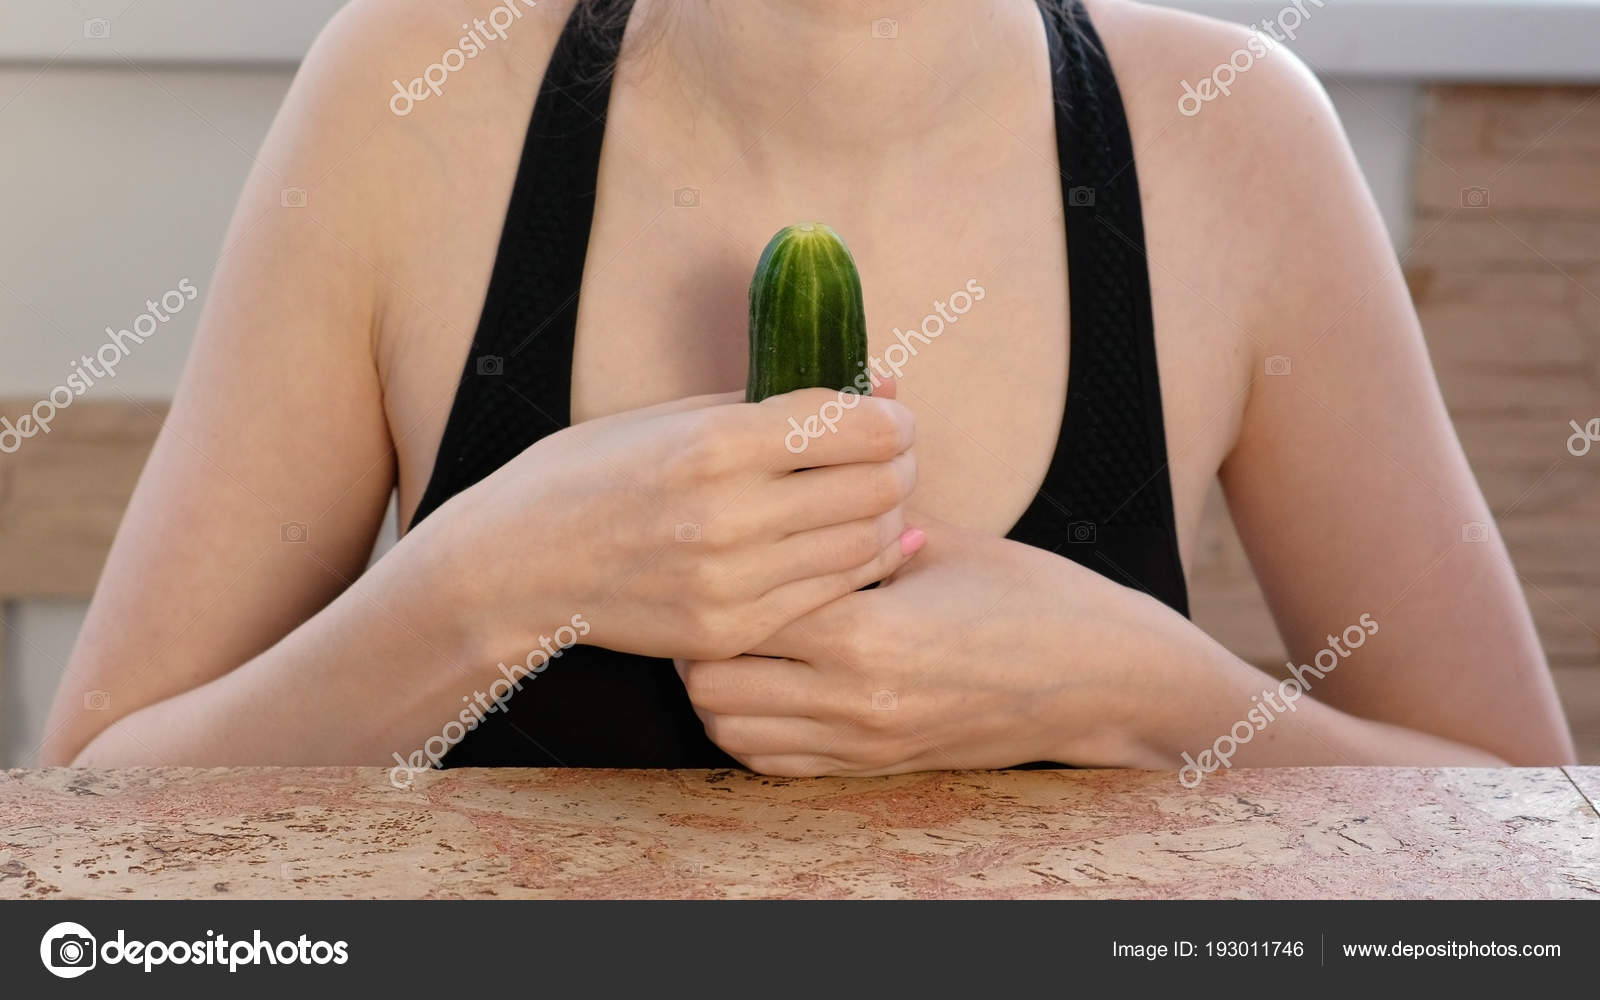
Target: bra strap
(517, 382)
(1109, 478)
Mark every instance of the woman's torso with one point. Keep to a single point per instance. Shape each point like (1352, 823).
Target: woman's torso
(680, 216)
(663, 308)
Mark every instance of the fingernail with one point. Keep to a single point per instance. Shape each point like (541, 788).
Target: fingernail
(911, 540)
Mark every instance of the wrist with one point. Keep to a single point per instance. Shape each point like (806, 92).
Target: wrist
(429, 585)
(1151, 668)
(494, 596)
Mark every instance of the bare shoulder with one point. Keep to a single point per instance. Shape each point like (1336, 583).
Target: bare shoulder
(1260, 231)
(1231, 81)
(1235, 136)
(394, 57)
(396, 96)
(387, 37)
(406, 116)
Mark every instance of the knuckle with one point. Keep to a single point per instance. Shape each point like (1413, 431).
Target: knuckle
(710, 450)
(705, 630)
(758, 763)
(699, 682)
(729, 733)
(889, 426)
(731, 526)
(887, 753)
(722, 633)
(720, 531)
(870, 569)
(714, 586)
(875, 722)
(762, 619)
(885, 487)
(905, 465)
(880, 434)
(716, 727)
(738, 592)
(881, 739)
(853, 544)
(888, 527)
(775, 766)
(705, 582)
(864, 542)
(858, 647)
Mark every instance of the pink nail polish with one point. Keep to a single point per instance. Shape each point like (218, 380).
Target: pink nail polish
(911, 540)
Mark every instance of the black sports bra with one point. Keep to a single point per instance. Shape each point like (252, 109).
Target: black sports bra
(1106, 501)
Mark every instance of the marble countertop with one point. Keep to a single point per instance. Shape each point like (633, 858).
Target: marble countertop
(510, 833)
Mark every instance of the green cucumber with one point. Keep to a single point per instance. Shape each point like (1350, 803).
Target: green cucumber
(808, 327)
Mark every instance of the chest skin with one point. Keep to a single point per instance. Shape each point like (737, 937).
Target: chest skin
(676, 233)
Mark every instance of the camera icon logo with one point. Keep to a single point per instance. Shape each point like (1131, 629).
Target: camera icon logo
(687, 533)
(293, 198)
(97, 27)
(885, 701)
(68, 950)
(1474, 531)
(97, 701)
(294, 532)
(1081, 532)
(885, 27)
(1278, 364)
(686, 198)
(1080, 197)
(491, 364)
(1474, 197)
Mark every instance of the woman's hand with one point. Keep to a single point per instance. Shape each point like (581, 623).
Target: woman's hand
(982, 653)
(986, 653)
(692, 529)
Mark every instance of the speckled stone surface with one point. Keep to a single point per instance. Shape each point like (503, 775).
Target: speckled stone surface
(1588, 781)
(345, 832)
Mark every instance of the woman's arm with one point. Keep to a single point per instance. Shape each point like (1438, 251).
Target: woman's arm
(985, 652)
(375, 673)
(229, 625)
(264, 492)
(1347, 483)
(1181, 700)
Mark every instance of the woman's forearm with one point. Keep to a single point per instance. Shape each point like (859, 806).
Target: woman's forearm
(1192, 705)
(1235, 711)
(376, 672)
